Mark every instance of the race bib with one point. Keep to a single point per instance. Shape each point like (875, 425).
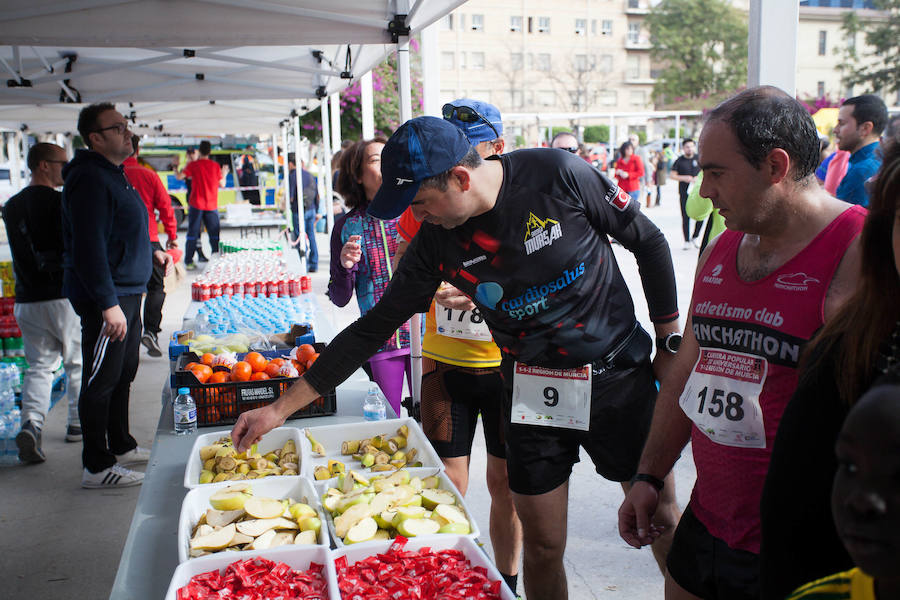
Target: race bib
(722, 394)
(552, 397)
(461, 324)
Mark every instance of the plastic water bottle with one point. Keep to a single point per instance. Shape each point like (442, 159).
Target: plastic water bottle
(374, 408)
(185, 411)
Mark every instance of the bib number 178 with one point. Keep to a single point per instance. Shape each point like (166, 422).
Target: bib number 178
(717, 401)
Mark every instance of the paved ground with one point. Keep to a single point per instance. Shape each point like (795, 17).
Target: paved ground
(58, 540)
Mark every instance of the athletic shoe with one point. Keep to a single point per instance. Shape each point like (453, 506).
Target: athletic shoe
(73, 433)
(135, 456)
(115, 476)
(29, 442)
(696, 242)
(150, 341)
(200, 256)
(190, 266)
(687, 246)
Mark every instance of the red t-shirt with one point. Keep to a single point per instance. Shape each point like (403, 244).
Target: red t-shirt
(634, 166)
(155, 197)
(205, 175)
(407, 226)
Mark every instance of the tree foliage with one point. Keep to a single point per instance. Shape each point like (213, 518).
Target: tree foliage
(877, 69)
(702, 45)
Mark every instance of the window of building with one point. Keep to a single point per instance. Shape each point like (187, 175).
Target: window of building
(608, 98)
(820, 89)
(606, 27)
(515, 23)
(516, 99)
(634, 33)
(448, 61)
(476, 60)
(515, 61)
(581, 63)
(447, 23)
(546, 98)
(823, 39)
(543, 25)
(634, 4)
(477, 22)
(543, 62)
(605, 63)
(580, 26)
(638, 97)
(633, 68)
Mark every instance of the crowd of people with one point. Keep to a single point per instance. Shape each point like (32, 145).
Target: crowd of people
(784, 378)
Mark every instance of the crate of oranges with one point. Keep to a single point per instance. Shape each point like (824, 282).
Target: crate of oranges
(225, 385)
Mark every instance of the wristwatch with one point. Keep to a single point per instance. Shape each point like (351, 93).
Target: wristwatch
(670, 343)
(654, 481)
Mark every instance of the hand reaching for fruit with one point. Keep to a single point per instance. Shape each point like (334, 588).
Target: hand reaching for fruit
(351, 253)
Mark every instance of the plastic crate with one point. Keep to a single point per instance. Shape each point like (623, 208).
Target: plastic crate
(222, 403)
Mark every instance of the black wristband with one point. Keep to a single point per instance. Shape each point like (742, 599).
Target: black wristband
(654, 481)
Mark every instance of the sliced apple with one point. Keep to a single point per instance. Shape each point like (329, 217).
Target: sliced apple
(351, 517)
(216, 540)
(382, 534)
(433, 497)
(300, 510)
(240, 539)
(385, 519)
(431, 482)
(408, 512)
(414, 527)
(306, 537)
(232, 497)
(352, 500)
(257, 527)
(331, 503)
(362, 532)
(221, 518)
(310, 524)
(282, 538)
(263, 508)
(447, 513)
(455, 529)
(400, 477)
(263, 541)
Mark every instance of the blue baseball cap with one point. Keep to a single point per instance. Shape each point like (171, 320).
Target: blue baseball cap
(485, 125)
(420, 148)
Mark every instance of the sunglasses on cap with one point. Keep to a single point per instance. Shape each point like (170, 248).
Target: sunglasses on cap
(466, 114)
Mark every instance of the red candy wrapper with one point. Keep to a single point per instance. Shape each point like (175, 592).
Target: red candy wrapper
(404, 575)
(257, 579)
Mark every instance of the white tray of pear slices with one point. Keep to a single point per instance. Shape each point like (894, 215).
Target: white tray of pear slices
(214, 460)
(362, 507)
(250, 516)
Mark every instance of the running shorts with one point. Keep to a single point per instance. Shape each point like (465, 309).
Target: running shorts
(452, 398)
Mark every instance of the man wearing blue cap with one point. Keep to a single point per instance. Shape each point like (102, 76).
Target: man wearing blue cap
(525, 236)
(461, 366)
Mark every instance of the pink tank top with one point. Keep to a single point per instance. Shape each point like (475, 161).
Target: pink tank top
(751, 336)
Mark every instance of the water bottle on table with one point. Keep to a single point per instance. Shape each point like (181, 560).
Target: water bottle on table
(185, 412)
(374, 408)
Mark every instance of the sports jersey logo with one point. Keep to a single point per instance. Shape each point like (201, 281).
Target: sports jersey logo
(619, 200)
(795, 282)
(540, 233)
(713, 277)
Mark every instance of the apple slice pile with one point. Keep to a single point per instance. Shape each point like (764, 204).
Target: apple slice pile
(238, 520)
(383, 507)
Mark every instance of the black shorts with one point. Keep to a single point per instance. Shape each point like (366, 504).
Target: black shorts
(540, 458)
(707, 567)
(452, 397)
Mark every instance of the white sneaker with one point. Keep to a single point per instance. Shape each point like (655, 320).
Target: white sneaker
(696, 242)
(115, 476)
(136, 456)
(687, 246)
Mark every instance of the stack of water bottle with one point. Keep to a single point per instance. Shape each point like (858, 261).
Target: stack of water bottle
(10, 416)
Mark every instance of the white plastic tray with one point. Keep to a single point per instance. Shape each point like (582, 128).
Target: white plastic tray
(444, 484)
(196, 503)
(271, 441)
(331, 436)
(466, 544)
(297, 557)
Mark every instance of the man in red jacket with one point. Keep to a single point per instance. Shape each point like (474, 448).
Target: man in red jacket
(156, 199)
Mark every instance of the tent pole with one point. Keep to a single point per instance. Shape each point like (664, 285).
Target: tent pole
(366, 100)
(329, 212)
(298, 181)
(335, 123)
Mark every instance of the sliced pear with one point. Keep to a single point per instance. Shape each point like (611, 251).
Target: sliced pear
(221, 518)
(431, 498)
(415, 483)
(263, 508)
(263, 541)
(310, 524)
(408, 512)
(229, 499)
(351, 517)
(306, 537)
(240, 539)
(257, 527)
(414, 527)
(359, 477)
(216, 540)
(300, 510)
(202, 530)
(282, 538)
(448, 513)
(363, 531)
(331, 503)
(431, 482)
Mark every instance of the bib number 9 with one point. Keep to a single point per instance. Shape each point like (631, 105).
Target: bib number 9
(552, 396)
(720, 401)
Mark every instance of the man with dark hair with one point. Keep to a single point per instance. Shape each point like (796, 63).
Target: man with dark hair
(156, 199)
(685, 170)
(860, 123)
(50, 328)
(310, 211)
(203, 206)
(108, 261)
(525, 236)
(786, 263)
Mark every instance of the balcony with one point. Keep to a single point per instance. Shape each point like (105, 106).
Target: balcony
(637, 7)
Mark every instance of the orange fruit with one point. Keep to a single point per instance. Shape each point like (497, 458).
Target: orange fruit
(277, 361)
(207, 359)
(272, 367)
(311, 360)
(219, 377)
(190, 366)
(202, 373)
(305, 352)
(241, 371)
(256, 361)
(259, 376)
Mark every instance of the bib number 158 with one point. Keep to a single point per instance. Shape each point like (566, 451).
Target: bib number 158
(718, 402)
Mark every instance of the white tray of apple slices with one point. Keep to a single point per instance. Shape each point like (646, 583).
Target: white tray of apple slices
(466, 544)
(205, 448)
(296, 557)
(337, 444)
(255, 515)
(411, 502)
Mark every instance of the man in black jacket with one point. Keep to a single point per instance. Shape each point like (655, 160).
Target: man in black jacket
(107, 265)
(50, 328)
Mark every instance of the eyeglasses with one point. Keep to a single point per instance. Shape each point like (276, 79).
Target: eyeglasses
(119, 127)
(59, 162)
(572, 149)
(466, 114)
